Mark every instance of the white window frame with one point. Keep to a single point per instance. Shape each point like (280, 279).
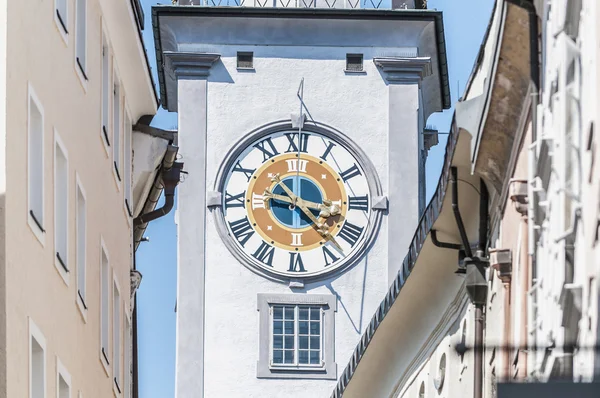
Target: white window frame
(61, 263)
(81, 297)
(37, 227)
(327, 369)
(117, 126)
(62, 21)
(106, 103)
(117, 337)
(105, 351)
(61, 371)
(35, 333)
(127, 165)
(296, 365)
(127, 339)
(81, 65)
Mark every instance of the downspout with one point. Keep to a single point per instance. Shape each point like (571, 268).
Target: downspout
(456, 211)
(482, 298)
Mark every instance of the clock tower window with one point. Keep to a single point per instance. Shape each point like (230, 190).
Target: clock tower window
(296, 336)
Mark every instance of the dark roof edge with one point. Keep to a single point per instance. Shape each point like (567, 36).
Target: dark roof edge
(137, 14)
(325, 13)
(430, 215)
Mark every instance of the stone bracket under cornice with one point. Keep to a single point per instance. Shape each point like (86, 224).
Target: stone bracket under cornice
(189, 64)
(409, 70)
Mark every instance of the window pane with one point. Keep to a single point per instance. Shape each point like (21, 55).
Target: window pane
(80, 243)
(277, 313)
(289, 327)
(277, 356)
(315, 314)
(315, 343)
(36, 162)
(303, 357)
(289, 312)
(277, 341)
(303, 314)
(315, 357)
(289, 356)
(289, 342)
(303, 342)
(277, 327)
(303, 328)
(80, 40)
(315, 328)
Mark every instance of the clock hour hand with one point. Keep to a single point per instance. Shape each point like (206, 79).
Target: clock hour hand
(287, 190)
(311, 205)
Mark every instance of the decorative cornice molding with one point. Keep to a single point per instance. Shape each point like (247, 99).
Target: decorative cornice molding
(186, 64)
(404, 70)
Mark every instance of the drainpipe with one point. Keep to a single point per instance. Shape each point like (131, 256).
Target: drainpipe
(456, 211)
(482, 299)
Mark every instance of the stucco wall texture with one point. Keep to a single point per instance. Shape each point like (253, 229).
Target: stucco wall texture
(237, 102)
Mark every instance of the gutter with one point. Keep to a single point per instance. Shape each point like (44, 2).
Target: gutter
(312, 13)
(167, 179)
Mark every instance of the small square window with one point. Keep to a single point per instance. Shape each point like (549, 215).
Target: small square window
(296, 338)
(354, 62)
(245, 60)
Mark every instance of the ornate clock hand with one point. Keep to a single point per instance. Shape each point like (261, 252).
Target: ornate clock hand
(287, 190)
(311, 205)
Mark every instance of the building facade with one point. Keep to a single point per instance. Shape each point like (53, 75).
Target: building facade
(301, 129)
(523, 314)
(74, 80)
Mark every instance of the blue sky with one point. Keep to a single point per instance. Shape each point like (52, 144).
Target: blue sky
(464, 23)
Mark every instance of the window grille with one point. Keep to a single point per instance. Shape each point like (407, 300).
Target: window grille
(296, 335)
(354, 62)
(245, 60)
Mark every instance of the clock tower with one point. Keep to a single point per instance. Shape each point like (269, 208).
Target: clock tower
(301, 128)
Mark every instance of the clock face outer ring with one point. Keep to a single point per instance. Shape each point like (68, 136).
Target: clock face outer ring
(314, 127)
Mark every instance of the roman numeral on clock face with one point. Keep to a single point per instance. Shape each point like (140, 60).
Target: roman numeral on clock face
(329, 147)
(295, 165)
(358, 203)
(296, 264)
(247, 172)
(258, 201)
(292, 138)
(267, 148)
(242, 230)
(328, 255)
(234, 200)
(264, 254)
(351, 172)
(350, 233)
(296, 240)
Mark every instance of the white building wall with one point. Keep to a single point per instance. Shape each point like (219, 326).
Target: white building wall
(356, 105)
(236, 103)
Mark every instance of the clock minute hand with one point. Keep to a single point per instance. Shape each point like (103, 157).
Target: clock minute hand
(322, 229)
(287, 190)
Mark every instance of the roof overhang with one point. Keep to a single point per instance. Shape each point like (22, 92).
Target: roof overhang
(400, 330)
(498, 93)
(168, 34)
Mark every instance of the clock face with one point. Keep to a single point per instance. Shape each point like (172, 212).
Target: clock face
(296, 208)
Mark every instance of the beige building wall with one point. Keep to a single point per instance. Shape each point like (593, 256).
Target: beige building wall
(40, 61)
